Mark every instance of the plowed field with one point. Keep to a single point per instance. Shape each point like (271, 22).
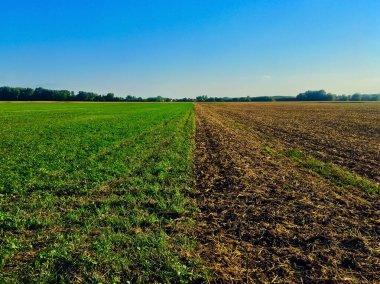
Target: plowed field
(289, 192)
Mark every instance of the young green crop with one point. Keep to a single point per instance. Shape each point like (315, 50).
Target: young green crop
(96, 193)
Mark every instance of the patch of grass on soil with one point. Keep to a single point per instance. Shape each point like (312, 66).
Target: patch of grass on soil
(335, 174)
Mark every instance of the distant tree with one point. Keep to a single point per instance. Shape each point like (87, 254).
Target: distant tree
(109, 97)
(343, 98)
(284, 98)
(320, 95)
(370, 97)
(331, 97)
(82, 96)
(41, 94)
(9, 94)
(130, 99)
(356, 97)
(262, 99)
(201, 98)
(62, 95)
(26, 94)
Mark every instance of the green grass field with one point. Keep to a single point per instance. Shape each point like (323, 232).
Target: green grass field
(96, 193)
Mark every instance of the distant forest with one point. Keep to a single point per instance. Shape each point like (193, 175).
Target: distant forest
(41, 94)
(320, 95)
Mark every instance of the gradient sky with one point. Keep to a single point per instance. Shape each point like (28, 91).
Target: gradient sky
(189, 48)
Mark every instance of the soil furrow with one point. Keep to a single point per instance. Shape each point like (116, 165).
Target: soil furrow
(263, 219)
(348, 136)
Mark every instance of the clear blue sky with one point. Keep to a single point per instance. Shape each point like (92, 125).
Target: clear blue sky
(190, 48)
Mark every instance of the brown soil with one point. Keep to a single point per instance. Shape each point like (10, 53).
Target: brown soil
(264, 219)
(345, 134)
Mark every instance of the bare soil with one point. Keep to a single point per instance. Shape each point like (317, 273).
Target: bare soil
(265, 219)
(346, 134)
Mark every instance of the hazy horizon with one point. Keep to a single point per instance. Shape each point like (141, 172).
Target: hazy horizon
(172, 49)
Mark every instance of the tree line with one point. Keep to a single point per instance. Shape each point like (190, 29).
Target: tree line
(323, 96)
(41, 94)
(320, 95)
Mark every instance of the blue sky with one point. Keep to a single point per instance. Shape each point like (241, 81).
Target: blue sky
(190, 48)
